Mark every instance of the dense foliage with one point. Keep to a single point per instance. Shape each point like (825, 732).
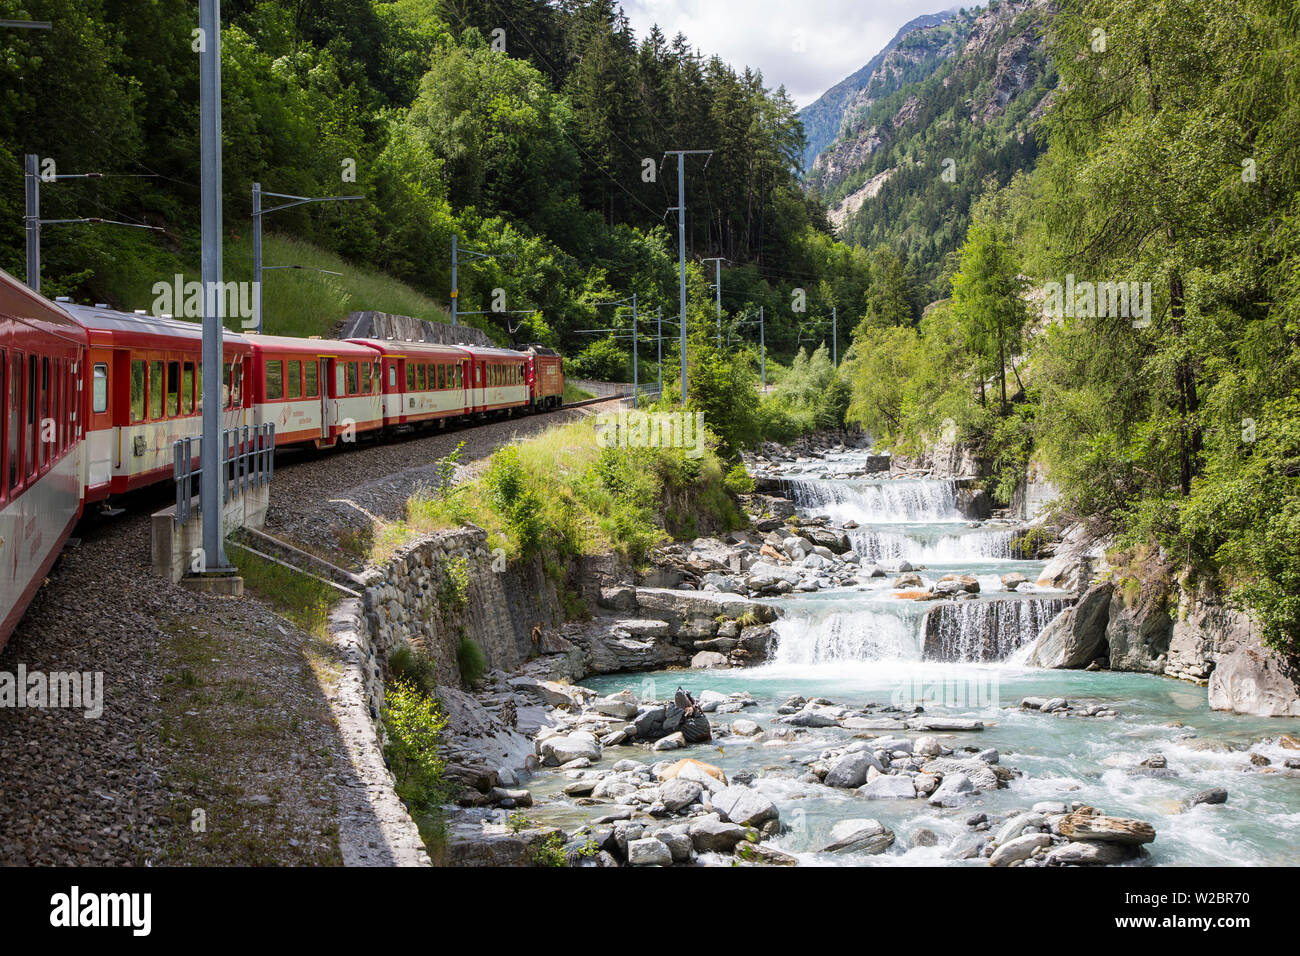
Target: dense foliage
(534, 130)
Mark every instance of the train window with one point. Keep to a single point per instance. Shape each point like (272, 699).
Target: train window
(420, 374)
(366, 378)
(155, 389)
(339, 389)
(237, 384)
(311, 389)
(29, 456)
(460, 376)
(410, 377)
(198, 387)
(14, 449)
(274, 380)
(173, 389)
(99, 388)
(138, 390)
(42, 427)
(392, 376)
(293, 381)
(352, 378)
(187, 388)
(442, 375)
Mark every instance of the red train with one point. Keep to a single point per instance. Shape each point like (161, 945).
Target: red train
(93, 400)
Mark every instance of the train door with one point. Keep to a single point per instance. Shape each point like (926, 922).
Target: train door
(326, 379)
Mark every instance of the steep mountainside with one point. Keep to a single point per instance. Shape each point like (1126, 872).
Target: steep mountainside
(822, 118)
(952, 107)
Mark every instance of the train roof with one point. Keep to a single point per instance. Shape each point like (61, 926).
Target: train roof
(318, 346)
(431, 349)
(20, 305)
(109, 325)
(491, 351)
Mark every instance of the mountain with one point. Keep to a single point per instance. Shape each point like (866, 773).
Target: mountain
(822, 118)
(950, 109)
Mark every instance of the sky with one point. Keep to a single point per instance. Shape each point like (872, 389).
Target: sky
(808, 45)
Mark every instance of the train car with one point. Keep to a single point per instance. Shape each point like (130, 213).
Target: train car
(146, 387)
(422, 382)
(316, 391)
(43, 353)
(545, 377)
(497, 380)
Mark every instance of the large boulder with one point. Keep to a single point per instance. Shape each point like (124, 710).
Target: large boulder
(562, 748)
(850, 770)
(713, 836)
(1019, 849)
(1076, 636)
(744, 806)
(859, 836)
(890, 787)
(1095, 826)
(1254, 680)
(648, 852)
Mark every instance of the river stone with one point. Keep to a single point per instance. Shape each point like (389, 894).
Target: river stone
(706, 774)
(945, 723)
(614, 707)
(714, 836)
(892, 744)
(1016, 826)
(562, 748)
(744, 806)
(762, 853)
(708, 660)
(1080, 826)
(850, 770)
(1019, 849)
(671, 742)
(1098, 854)
(966, 846)
(889, 787)
(648, 852)
(745, 728)
(872, 723)
(810, 718)
(678, 843)
(952, 792)
(1253, 680)
(927, 746)
(1212, 796)
(924, 837)
(678, 794)
(978, 773)
(859, 836)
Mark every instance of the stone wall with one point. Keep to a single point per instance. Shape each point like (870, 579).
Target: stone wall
(403, 328)
(409, 601)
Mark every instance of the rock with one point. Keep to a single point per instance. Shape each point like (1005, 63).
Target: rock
(714, 836)
(966, 846)
(1019, 849)
(1016, 826)
(553, 693)
(709, 660)
(1076, 636)
(1013, 580)
(744, 806)
(678, 794)
(945, 723)
(648, 852)
(710, 699)
(927, 746)
(510, 798)
(924, 837)
(614, 707)
(890, 787)
(1081, 826)
(953, 790)
(1253, 680)
(562, 748)
(1094, 854)
(1139, 633)
(905, 581)
(762, 853)
(892, 744)
(678, 843)
(859, 836)
(850, 770)
(1214, 795)
(745, 728)
(672, 742)
(703, 773)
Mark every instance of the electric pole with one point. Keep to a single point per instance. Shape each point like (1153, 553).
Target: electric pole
(212, 467)
(681, 155)
(659, 339)
(762, 353)
(835, 341)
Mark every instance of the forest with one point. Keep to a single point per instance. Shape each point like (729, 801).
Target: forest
(534, 131)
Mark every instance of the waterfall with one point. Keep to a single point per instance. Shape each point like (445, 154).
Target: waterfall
(985, 630)
(820, 636)
(877, 502)
(878, 544)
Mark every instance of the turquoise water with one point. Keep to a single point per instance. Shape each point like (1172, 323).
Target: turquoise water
(864, 645)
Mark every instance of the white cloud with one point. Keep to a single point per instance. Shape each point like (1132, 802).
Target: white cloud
(808, 46)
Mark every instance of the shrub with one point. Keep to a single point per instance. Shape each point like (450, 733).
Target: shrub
(415, 721)
(471, 660)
